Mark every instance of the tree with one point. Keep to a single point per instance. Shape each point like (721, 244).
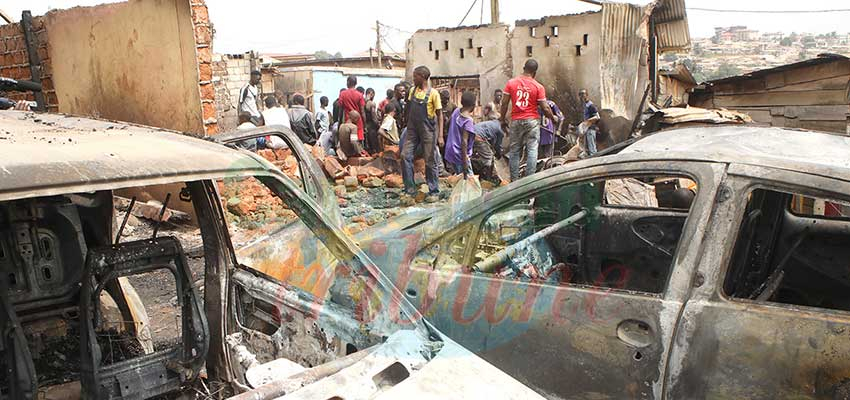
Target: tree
(324, 55)
(786, 42)
(725, 70)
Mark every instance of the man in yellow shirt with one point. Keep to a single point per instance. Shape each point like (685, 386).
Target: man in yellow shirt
(423, 122)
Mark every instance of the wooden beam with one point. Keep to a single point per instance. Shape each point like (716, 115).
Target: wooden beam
(35, 62)
(6, 17)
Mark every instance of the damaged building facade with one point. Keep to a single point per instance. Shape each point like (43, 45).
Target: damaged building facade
(612, 53)
(108, 51)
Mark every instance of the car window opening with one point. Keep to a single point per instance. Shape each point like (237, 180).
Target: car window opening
(618, 233)
(792, 249)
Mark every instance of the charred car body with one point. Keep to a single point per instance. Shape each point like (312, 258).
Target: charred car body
(696, 263)
(76, 317)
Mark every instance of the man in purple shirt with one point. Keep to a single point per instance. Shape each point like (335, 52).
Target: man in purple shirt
(461, 136)
(548, 130)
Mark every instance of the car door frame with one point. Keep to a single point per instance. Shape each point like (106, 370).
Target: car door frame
(707, 174)
(694, 357)
(313, 177)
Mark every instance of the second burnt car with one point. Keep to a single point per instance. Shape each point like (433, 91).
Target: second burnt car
(696, 263)
(88, 310)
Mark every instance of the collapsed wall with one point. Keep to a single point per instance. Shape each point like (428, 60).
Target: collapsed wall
(137, 61)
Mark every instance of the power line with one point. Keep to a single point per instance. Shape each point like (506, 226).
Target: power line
(395, 29)
(467, 12)
(770, 11)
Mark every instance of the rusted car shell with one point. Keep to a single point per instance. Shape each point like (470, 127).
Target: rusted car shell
(802, 357)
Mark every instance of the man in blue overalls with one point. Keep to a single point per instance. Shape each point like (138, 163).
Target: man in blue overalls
(424, 120)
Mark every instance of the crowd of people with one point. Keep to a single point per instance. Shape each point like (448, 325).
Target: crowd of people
(424, 122)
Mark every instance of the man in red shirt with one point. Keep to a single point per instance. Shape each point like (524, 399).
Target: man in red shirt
(352, 100)
(525, 95)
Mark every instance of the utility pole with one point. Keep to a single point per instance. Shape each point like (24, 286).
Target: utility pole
(494, 11)
(378, 44)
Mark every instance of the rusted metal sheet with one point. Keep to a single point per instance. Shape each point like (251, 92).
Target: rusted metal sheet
(624, 33)
(671, 25)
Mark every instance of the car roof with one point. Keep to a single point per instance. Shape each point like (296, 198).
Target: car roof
(47, 154)
(764, 146)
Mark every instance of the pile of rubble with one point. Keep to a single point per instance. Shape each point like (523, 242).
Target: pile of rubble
(368, 189)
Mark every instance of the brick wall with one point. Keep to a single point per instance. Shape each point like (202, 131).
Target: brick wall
(203, 45)
(230, 73)
(14, 59)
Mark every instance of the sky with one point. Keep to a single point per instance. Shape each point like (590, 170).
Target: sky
(289, 26)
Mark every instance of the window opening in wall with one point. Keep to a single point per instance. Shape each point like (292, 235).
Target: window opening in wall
(532, 30)
(584, 41)
(446, 44)
(529, 51)
(578, 49)
(436, 54)
(555, 31)
(430, 46)
(546, 41)
(461, 53)
(480, 52)
(470, 43)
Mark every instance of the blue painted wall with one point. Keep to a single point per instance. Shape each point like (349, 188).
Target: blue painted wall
(328, 83)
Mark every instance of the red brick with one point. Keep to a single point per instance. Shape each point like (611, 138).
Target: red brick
(207, 92)
(37, 23)
(211, 128)
(208, 110)
(51, 98)
(205, 72)
(203, 35)
(204, 55)
(200, 15)
(11, 44)
(19, 57)
(42, 53)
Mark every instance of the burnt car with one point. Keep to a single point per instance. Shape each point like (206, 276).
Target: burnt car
(102, 296)
(695, 263)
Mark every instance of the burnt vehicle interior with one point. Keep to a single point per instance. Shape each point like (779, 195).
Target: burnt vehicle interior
(617, 233)
(792, 249)
(99, 303)
(81, 328)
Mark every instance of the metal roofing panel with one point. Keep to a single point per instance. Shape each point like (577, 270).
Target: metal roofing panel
(623, 35)
(671, 25)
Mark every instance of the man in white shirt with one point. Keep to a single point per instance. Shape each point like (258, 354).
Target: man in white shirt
(248, 97)
(274, 114)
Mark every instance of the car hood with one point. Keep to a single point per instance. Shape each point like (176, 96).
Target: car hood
(397, 370)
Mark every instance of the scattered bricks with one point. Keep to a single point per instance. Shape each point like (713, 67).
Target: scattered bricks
(339, 182)
(283, 153)
(352, 170)
(333, 168)
(340, 190)
(394, 181)
(391, 152)
(350, 183)
(241, 206)
(453, 180)
(371, 171)
(267, 154)
(487, 185)
(318, 153)
(407, 201)
(421, 194)
(359, 218)
(373, 182)
(342, 202)
(359, 161)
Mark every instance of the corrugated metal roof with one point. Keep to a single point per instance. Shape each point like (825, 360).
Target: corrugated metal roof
(623, 34)
(671, 25)
(821, 59)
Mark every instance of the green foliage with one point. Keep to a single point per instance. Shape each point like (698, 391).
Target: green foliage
(786, 41)
(324, 55)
